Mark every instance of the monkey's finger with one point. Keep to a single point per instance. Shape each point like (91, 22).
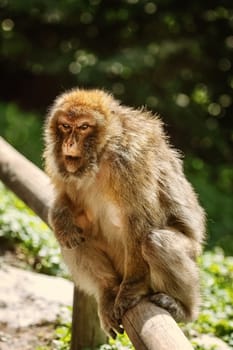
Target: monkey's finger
(65, 244)
(75, 241)
(69, 245)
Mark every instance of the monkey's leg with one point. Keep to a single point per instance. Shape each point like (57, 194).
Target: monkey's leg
(93, 272)
(173, 272)
(67, 232)
(135, 283)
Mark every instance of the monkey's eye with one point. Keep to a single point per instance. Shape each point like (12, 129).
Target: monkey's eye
(84, 126)
(66, 126)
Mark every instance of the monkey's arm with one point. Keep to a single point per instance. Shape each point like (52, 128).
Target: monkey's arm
(62, 219)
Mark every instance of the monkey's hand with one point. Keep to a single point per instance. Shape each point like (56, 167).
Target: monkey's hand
(71, 239)
(69, 234)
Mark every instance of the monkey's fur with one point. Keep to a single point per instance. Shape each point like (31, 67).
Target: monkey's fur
(128, 222)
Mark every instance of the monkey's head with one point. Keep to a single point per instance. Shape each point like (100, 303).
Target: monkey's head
(76, 131)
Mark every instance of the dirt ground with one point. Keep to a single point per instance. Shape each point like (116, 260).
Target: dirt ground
(26, 338)
(30, 305)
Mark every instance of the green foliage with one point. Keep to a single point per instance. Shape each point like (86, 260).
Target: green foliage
(217, 313)
(19, 226)
(216, 316)
(22, 130)
(63, 337)
(121, 341)
(214, 185)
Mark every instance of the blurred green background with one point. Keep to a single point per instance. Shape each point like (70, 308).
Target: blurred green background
(173, 57)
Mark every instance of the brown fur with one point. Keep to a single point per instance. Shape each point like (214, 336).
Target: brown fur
(123, 205)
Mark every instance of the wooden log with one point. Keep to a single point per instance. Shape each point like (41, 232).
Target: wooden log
(25, 179)
(148, 326)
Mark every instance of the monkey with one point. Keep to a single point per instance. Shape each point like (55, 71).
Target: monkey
(129, 223)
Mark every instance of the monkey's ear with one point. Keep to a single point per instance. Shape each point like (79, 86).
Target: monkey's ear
(114, 106)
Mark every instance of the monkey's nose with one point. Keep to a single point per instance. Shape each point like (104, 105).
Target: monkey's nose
(70, 143)
(71, 150)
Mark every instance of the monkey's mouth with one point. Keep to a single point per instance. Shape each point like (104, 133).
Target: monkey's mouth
(72, 158)
(72, 163)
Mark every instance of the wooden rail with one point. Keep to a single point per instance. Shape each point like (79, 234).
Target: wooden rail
(148, 326)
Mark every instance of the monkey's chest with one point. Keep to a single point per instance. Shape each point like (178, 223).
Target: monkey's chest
(106, 218)
(107, 224)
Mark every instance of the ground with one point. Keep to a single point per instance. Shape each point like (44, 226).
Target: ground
(26, 338)
(31, 305)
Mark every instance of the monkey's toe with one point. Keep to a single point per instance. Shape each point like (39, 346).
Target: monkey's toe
(111, 326)
(172, 305)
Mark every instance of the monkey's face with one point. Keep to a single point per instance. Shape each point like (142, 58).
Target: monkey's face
(79, 126)
(76, 135)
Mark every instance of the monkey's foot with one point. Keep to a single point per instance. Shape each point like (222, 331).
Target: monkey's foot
(173, 306)
(72, 239)
(131, 292)
(109, 324)
(123, 303)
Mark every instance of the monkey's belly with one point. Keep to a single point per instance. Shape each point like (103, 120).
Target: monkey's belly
(107, 229)
(115, 252)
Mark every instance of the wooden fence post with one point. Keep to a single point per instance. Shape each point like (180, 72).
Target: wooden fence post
(148, 326)
(85, 320)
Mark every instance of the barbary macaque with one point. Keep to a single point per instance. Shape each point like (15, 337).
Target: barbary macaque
(127, 220)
